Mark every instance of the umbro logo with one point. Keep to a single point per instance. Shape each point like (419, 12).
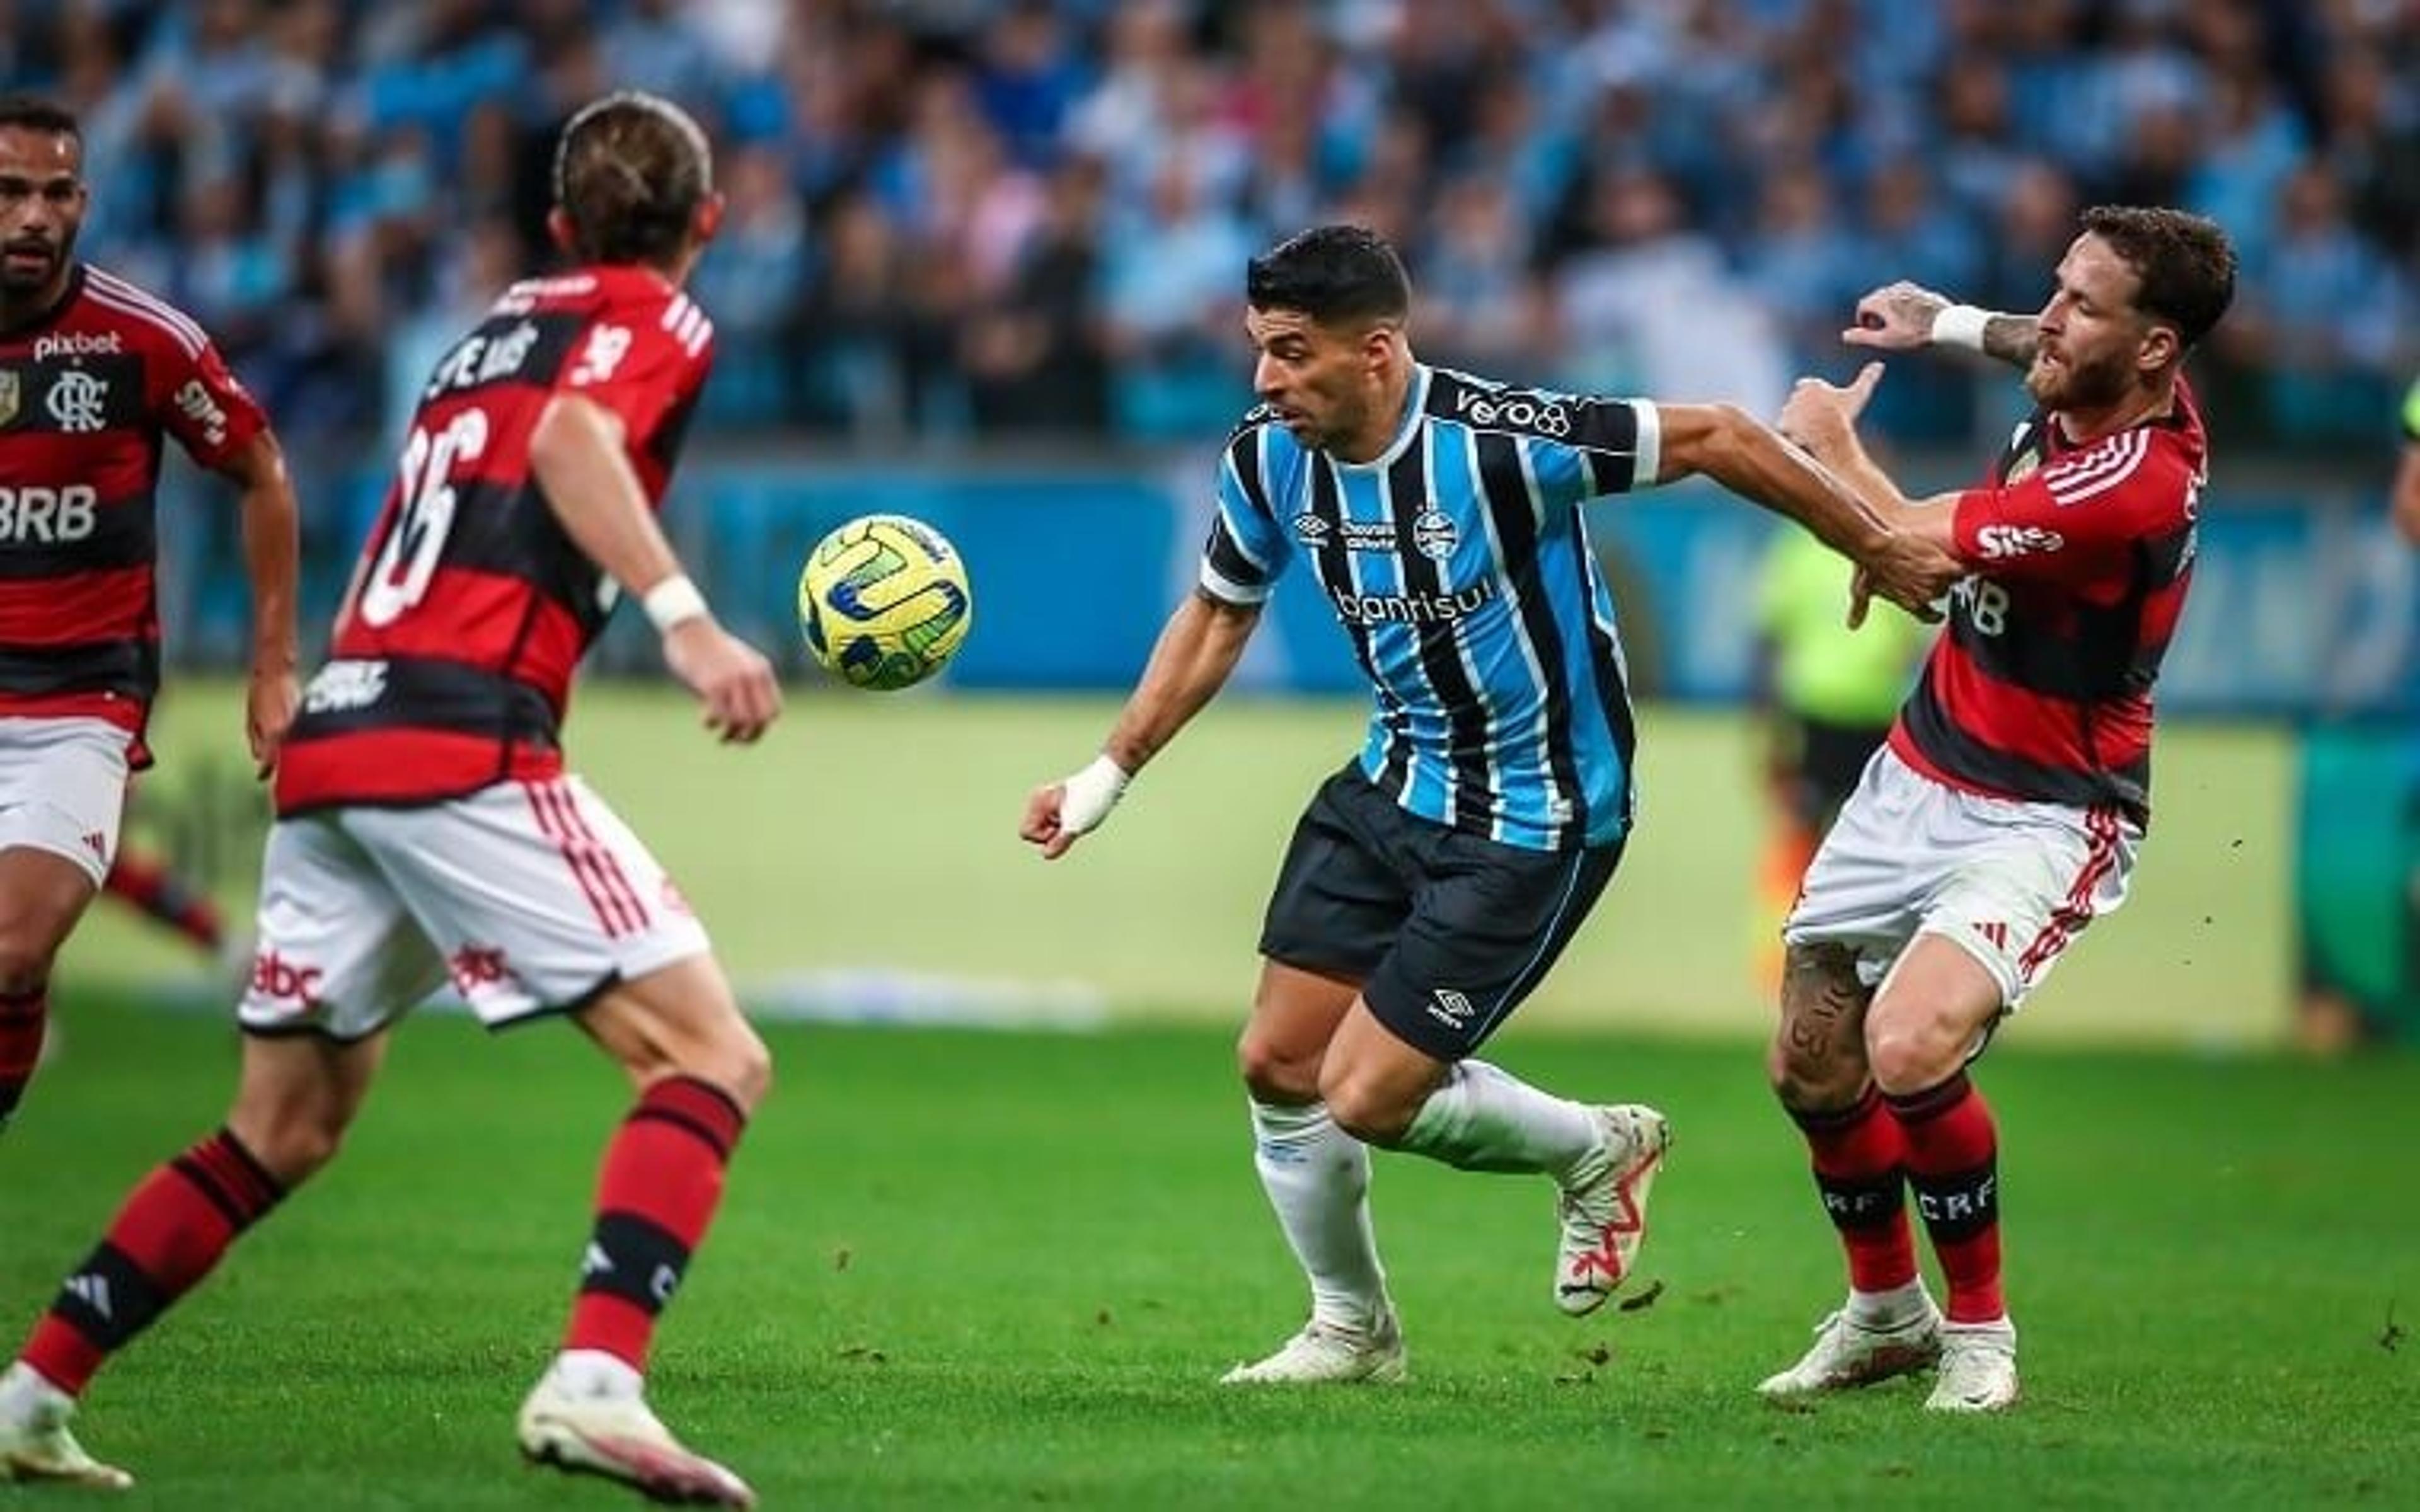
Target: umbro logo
(1450, 1009)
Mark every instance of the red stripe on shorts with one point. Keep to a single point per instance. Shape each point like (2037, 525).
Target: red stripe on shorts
(609, 865)
(543, 803)
(2101, 824)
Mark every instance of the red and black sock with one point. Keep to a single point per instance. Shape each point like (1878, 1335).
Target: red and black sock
(145, 882)
(23, 1019)
(170, 1233)
(1859, 1155)
(1953, 1163)
(661, 1181)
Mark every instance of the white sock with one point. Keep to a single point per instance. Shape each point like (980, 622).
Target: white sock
(1482, 1118)
(1894, 1308)
(593, 1373)
(1318, 1179)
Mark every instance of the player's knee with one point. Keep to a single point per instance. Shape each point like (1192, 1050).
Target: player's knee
(1366, 1109)
(26, 952)
(737, 1061)
(1274, 1072)
(1911, 1054)
(1806, 1079)
(292, 1149)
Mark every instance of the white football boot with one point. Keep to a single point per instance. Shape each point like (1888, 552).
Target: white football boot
(1848, 1353)
(1978, 1368)
(35, 1443)
(1603, 1209)
(612, 1434)
(1328, 1353)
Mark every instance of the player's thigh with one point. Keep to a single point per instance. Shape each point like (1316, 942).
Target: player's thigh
(681, 1020)
(1341, 892)
(2030, 880)
(538, 898)
(1818, 1058)
(336, 955)
(62, 795)
(1294, 1015)
(1487, 922)
(1931, 1014)
(1880, 862)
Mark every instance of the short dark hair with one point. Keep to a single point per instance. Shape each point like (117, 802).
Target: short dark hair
(2183, 263)
(32, 112)
(630, 170)
(1332, 274)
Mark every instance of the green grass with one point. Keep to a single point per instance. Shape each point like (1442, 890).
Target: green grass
(879, 833)
(969, 1269)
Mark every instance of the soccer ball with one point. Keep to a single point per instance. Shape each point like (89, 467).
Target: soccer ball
(883, 601)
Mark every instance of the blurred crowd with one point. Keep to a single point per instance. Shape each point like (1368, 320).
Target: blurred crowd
(977, 218)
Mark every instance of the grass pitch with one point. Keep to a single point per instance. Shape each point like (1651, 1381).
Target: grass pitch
(969, 1269)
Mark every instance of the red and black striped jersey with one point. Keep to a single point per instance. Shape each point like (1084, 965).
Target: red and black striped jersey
(86, 392)
(452, 658)
(2040, 687)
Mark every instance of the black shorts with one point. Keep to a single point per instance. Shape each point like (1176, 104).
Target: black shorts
(1445, 932)
(1828, 761)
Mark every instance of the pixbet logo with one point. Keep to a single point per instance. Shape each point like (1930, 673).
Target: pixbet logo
(284, 981)
(78, 343)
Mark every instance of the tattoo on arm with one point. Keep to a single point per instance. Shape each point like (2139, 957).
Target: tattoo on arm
(2011, 338)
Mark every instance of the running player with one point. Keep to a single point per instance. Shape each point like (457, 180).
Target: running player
(427, 828)
(1432, 882)
(2004, 814)
(93, 373)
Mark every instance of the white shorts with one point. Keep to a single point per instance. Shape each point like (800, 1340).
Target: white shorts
(2012, 883)
(63, 789)
(532, 897)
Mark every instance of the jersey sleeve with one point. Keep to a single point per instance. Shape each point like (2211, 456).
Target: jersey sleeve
(2076, 516)
(210, 411)
(1584, 448)
(1248, 546)
(642, 364)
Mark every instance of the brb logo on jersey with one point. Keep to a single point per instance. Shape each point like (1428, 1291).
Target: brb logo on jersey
(47, 516)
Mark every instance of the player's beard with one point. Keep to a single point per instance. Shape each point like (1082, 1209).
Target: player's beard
(20, 281)
(2069, 385)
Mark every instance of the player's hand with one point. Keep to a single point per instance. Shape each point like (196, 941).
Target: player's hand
(1909, 571)
(1896, 317)
(1060, 813)
(728, 675)
(269, 705)
(1820, 416)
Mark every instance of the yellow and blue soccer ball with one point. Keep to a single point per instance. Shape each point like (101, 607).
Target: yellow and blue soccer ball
(883, 601)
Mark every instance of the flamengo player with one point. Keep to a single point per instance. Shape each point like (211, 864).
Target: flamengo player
(2004, 814)
(93, 372)
(427, 827)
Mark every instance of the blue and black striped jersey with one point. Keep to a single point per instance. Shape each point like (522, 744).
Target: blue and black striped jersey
(1459, 564)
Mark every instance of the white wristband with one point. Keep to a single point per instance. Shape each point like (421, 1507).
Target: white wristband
(1087, 798)
(674, 602)
(1960, 326)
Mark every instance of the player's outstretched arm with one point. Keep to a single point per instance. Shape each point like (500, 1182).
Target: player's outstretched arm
(1905, 318)
(577, 455)
(1195, 654)
(1734, 449)
(270, 549)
